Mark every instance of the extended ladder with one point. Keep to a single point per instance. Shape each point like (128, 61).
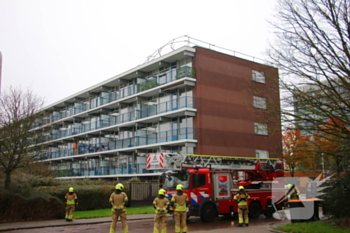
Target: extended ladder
(174, 161)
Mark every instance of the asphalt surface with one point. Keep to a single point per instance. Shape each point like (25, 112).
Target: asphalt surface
(256, 225)
(16, 226)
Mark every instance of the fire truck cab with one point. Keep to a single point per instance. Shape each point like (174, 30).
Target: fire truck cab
(212, 182)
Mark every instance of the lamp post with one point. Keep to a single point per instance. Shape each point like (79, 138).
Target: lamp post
(322, 166)
(0, 68)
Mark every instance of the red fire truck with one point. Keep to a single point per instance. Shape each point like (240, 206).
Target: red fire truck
(211, 182)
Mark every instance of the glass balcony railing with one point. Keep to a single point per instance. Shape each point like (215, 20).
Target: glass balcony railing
(150, 110)
(137, 168)
(105, 98)
(153, 138)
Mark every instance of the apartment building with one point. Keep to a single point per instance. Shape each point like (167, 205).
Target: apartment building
(315, 104)
(192, 100)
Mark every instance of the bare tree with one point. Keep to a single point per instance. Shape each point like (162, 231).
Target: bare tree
(312, 51)
(19, 110)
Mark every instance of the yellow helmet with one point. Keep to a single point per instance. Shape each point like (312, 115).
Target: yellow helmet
(119, 186)
(179, 187)
(161, 192)
(71, 189)
(240, 187)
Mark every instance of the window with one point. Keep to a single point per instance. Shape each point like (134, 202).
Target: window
(260, 129)
(172, 180)
(264, 154)
(198, 180)
(258, 76)
(259, 102)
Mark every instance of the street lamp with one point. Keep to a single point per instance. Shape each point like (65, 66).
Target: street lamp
(323, 167)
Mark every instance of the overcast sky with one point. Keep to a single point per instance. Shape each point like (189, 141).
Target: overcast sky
(60, 47)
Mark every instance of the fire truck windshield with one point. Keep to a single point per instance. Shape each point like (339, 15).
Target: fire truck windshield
(172, 180)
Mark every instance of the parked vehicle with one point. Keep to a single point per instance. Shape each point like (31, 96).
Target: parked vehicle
(211, 182)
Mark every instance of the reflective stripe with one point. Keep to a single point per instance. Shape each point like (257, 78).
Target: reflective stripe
(126, 230)
(196, 198)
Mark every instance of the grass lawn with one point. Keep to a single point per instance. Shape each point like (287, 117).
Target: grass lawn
(331, 226)
(108, 212)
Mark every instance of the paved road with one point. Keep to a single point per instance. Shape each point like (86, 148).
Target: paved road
(144, 223)
(139, 224)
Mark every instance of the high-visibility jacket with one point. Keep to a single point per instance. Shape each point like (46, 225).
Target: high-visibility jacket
(242, 197)
(160, 204)
(118, 201)
(294, 194)
(71, 198)
(180, 202)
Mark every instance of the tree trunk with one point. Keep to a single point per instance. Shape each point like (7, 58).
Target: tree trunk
(8, 180)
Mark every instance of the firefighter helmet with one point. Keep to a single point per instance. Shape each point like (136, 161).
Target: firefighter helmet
(161, 192)
(71, 189)
(119, 186)
(240, 187)
(179, 187)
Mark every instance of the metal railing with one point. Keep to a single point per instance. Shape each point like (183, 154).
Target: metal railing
(151, 82)
(136, 168)
(152, 138)
(150, 110)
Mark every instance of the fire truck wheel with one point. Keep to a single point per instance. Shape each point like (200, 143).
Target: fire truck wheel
(268, 212)
(208, 213)
(254, 210)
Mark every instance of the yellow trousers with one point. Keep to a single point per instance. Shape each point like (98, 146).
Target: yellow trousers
(180, 221)
(69, 211)
(115, 217)
(160, 223)
(243, 214)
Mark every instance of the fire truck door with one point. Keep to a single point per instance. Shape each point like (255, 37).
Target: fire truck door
(222, 184)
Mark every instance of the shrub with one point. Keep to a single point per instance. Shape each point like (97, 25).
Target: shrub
(40, 206)
(90, 197)
(22, 182)
(134, 180)
(335, 197)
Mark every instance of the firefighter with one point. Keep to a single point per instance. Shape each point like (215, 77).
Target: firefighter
(71, 203)
(294, 193)
(160, 204)
(118, 201)
(242, 197)
(179, 203)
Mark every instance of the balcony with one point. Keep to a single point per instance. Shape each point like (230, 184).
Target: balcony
(105, 98)
(137, 168)
(149, 139)
(151, 110)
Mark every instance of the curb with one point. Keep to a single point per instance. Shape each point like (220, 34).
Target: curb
(274, 225)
